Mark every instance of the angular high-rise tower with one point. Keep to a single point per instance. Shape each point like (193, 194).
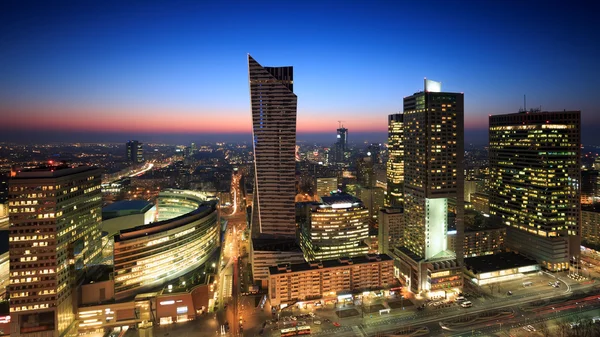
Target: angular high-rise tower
(433, 174)
(274, 137)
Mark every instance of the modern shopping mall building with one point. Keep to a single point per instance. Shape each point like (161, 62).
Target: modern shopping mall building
(158, 275)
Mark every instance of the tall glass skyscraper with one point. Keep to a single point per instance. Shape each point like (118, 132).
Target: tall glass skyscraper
(433, 173)
(395, 163)
(535, 177)
(274, 107)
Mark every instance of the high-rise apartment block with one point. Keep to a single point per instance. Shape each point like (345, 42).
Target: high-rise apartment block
(535, 182)
(325, 280)
(274, 138)
(395, 163)
(433, 173)
(55, 213)
(135, 151)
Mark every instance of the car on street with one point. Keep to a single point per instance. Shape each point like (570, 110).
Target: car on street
(336, 324)
(317, 322)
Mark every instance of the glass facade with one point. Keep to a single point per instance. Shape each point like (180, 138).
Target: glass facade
(338, 227)
(150, 255)
(55, 213)
(535, 180)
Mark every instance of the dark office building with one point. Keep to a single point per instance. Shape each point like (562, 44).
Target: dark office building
(589, 187)
(135, 152)
(341, 144)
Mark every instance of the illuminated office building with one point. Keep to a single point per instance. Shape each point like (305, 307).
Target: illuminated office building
(274, 138)
(535, 183)
(184, 237)
(55, 214)
(433, 173)
(395, 163)
(135, 151)
(338, 227)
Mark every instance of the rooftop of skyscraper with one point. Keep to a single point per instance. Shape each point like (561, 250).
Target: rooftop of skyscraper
(490, 263)
(342, 261)
(49, 170)
(341, 198)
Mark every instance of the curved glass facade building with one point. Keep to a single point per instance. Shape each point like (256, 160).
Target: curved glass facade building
(186, 234)
(338, 228)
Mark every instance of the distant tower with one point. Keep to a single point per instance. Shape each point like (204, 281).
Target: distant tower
(341, 144)
(274, 107)
(55, 218)
(135, 152)
(535, 181)
(395, 163)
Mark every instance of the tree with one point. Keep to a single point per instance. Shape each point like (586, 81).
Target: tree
(563, 328)
(545, 329)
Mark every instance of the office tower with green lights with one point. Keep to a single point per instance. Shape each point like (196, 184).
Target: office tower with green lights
(433, 174)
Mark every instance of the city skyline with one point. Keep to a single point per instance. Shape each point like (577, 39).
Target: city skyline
(168, 69)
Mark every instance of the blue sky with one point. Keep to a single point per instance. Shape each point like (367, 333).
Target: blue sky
(180, 67)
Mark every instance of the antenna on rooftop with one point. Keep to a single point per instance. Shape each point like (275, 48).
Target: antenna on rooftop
(341, 125)
(525, 102)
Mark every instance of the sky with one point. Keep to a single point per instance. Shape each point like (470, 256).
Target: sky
(122, 69)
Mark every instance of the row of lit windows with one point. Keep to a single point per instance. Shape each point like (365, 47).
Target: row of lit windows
(29, 307)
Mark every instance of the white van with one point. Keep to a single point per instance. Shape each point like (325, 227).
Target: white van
(461, 299)
(466, 304)
(596, 319)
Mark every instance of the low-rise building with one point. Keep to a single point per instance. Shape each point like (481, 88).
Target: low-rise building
(590, 227)
(501, 267)
(481, 202)
(326, 185)
(329, 278)
(267, 252)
